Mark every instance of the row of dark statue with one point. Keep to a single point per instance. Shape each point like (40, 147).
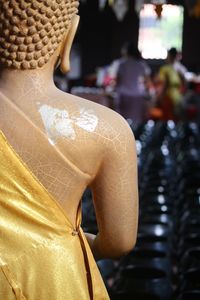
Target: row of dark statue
(165, 264)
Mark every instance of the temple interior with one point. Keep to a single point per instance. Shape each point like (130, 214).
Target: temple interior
(140, 59)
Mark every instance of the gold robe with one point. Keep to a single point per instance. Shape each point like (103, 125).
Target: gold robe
(42, 257)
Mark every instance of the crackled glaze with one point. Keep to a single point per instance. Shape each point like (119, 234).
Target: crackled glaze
(58, 123)
(53, 146)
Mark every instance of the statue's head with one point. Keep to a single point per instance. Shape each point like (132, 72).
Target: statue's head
(32, 30)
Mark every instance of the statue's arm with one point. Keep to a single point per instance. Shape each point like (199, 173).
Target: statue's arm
(115, 195)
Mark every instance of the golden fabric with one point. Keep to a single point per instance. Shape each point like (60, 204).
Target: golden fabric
(42, 257)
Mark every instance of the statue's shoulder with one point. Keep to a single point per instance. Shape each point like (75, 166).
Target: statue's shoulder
(95, 120)
(109, 122)
(86, 132)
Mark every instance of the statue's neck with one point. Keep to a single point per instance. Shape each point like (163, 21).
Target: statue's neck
(23, 85)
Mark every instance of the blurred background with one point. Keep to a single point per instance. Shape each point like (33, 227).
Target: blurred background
(141, 58)
(152, 26)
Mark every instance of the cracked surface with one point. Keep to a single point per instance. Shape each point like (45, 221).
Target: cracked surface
(68, 144)
(58, 123)
(106, 155)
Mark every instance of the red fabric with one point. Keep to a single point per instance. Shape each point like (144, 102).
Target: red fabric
(167, 108)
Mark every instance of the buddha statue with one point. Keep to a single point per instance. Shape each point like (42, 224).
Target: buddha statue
(53, 146)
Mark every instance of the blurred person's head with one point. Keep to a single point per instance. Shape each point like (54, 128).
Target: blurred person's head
(172, 55)
(130, 50)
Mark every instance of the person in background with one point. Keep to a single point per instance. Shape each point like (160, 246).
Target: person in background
(131, 82)
(169, 86)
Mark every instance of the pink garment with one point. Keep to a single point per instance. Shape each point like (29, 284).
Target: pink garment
(131, 89)
(134, 108)
(130, 76)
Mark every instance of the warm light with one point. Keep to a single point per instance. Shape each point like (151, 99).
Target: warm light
(156, 36)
